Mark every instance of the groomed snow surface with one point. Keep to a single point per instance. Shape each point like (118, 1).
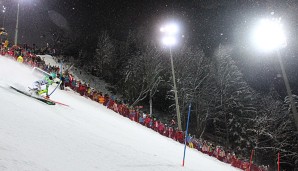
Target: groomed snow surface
(86, 136)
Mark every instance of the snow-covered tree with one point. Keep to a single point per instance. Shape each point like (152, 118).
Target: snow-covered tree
(261, 132)
(285, 136)
(104, 54)
(233, 101)
(143, 75)
(194, 76)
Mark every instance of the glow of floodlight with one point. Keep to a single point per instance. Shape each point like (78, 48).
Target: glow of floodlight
(3, 9)
(169, 41)
(171, 29)
(269, 35)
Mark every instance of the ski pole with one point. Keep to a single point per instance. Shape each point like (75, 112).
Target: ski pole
(55, 89)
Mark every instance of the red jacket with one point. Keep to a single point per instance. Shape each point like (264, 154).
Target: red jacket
(166, 131)
(179, 136)
(235, 162)
(147, 121)
(111, 104)
(120, 109)
(161, 128)
(125, 111)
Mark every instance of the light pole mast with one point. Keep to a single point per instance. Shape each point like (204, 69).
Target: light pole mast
(292, 103)
(176, 94)
(17, 26)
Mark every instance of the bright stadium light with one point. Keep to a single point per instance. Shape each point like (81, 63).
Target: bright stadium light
(269, 35)
(169, 41)
(170, 29)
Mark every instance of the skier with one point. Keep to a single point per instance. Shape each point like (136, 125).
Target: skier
(37, 86)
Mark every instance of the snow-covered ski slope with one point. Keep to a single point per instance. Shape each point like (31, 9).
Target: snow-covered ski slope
(86, 136)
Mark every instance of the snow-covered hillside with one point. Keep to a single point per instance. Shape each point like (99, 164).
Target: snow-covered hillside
(83, 137)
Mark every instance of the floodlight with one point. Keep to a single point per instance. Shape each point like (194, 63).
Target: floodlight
(169, 41)
(269, 35)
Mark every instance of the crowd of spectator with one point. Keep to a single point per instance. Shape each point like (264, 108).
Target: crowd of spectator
(28, 57)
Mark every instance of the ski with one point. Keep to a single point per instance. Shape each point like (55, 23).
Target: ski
(37, 98)
(56, 102)
(52, 100)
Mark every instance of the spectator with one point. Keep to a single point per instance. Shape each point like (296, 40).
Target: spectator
(120, 107)
(234, 161)
(137, 115)
(78, 85)
(155, 125)
(228, 158)
(132, 114)
(222, 154)
(179, 136)
(141, 120)
(110, 104)
(81, 89)
(166, 131)
(173, 123)
(161, 128)
(74, 84)
(101, 98)
(205, 148)
(211, 149)
(150, 122)
(88, 90)
(189, 141)
(244, 165)
(147, 121)
(62, 82)
(95, 96)
(20, 59)
(115, 109)
(199, 145)
(125, 110)
(171, 132)
(66, 80)
(106, 97)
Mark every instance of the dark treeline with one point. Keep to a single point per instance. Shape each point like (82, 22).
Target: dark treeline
(225, 108)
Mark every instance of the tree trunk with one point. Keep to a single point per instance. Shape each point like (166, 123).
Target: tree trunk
(227, 130)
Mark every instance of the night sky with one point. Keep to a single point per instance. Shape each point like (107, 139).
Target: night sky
(204, 22)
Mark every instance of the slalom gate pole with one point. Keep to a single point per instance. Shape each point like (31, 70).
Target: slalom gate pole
(186, 134)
